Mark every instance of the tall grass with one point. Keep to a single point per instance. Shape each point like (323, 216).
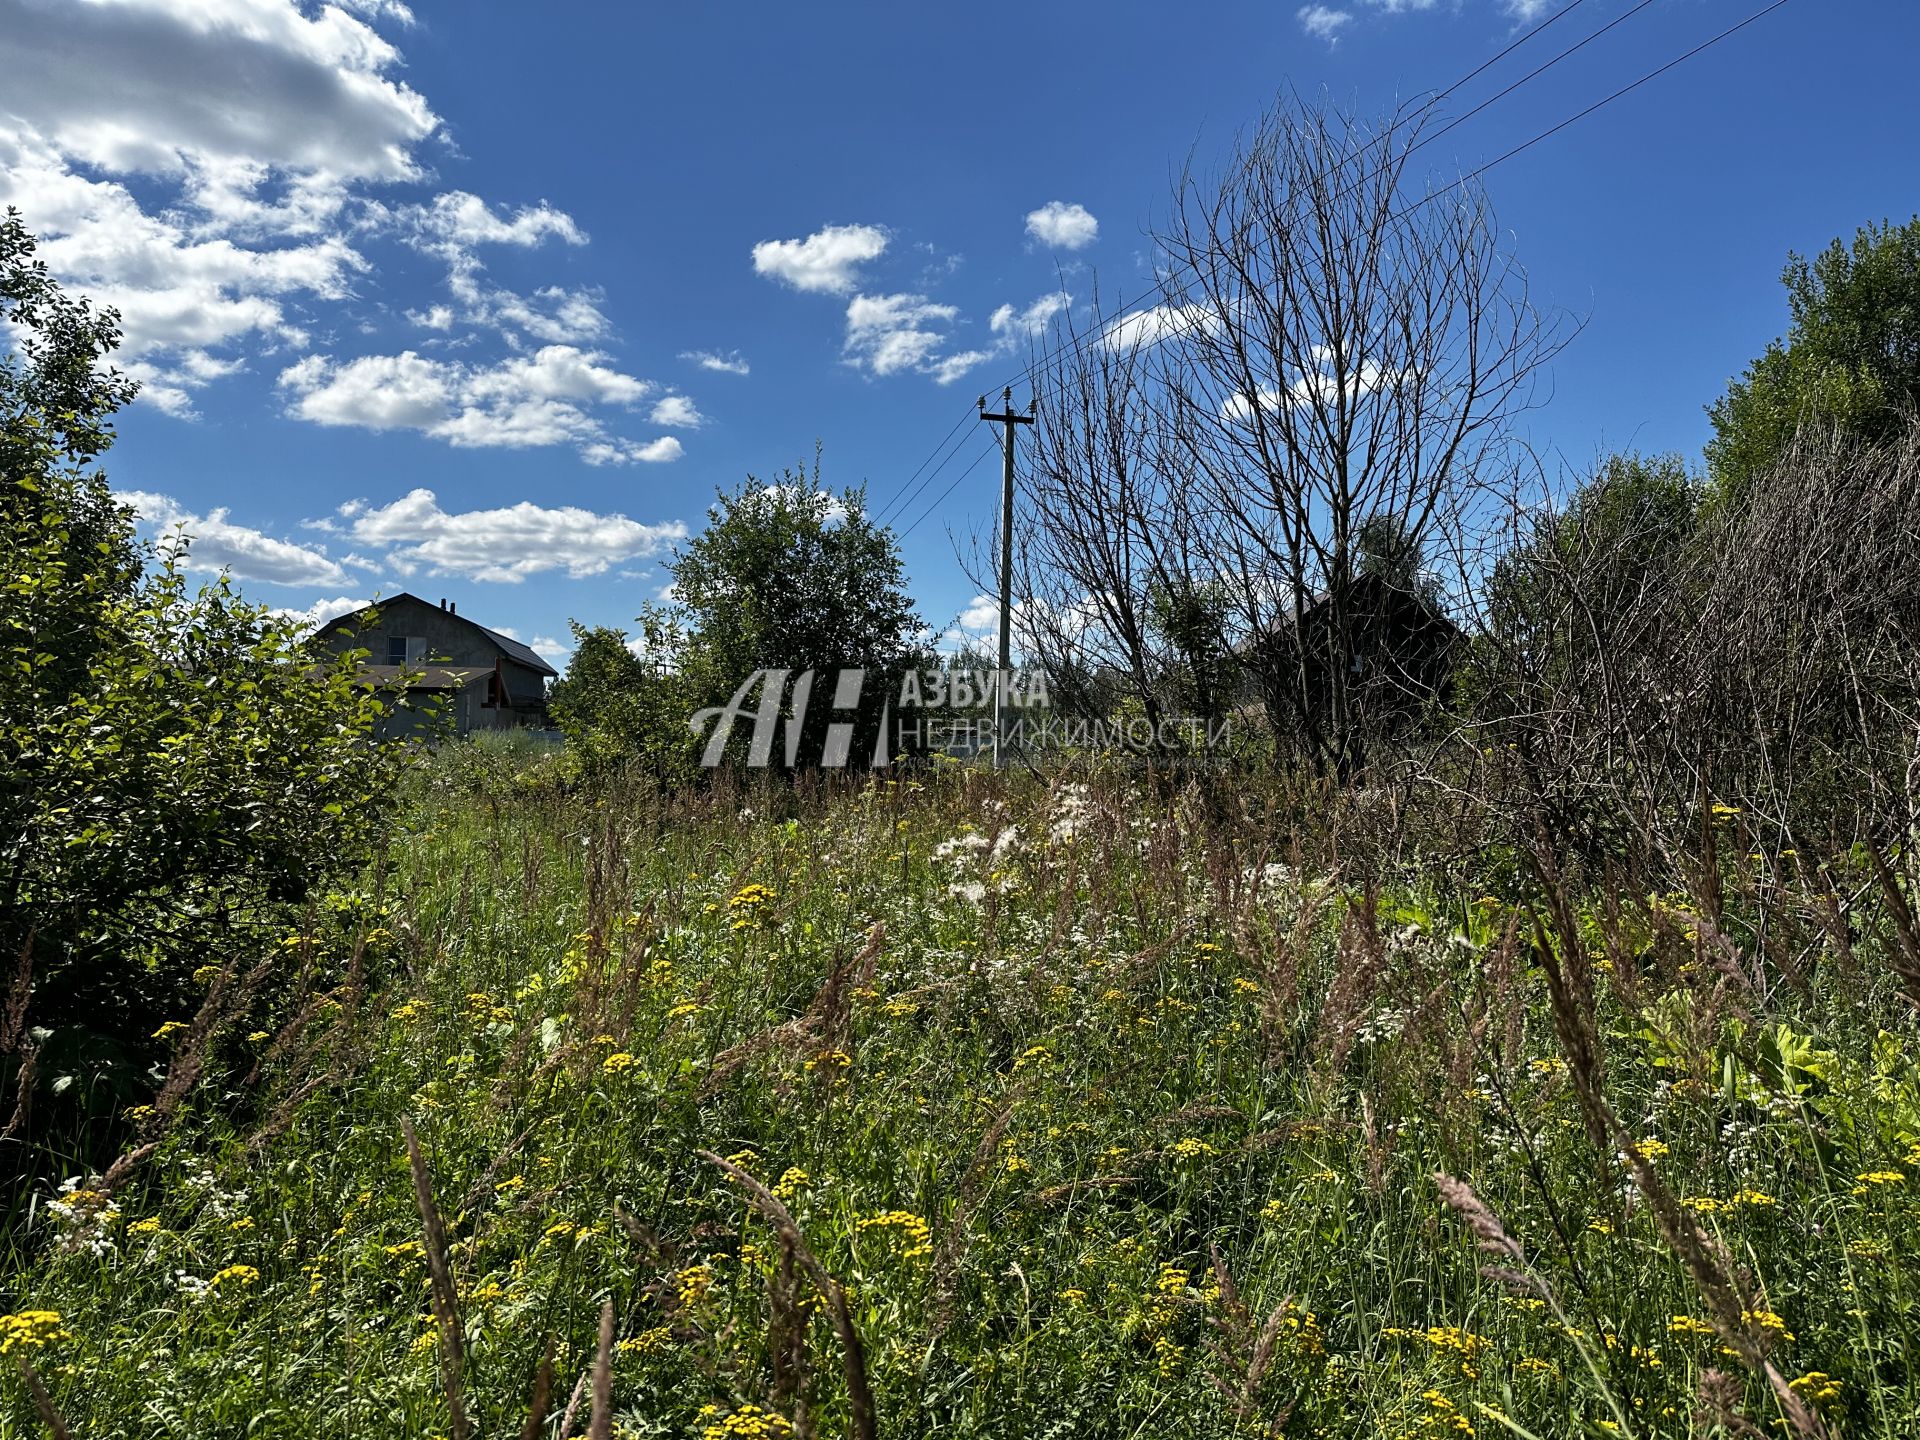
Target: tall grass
(961, 1106)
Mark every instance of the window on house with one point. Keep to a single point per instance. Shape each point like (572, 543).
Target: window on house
(396, 650)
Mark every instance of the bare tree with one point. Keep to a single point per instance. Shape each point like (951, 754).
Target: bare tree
(1090, 500)
(1332, 349)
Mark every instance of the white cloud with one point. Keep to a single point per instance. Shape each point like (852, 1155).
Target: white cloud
(827, 261)
(519, 403)
(321, 611)
(1525, 12)
(216, 170)
(1323, 22)
(731, 363)
(457, 222)
(677, 410)
(1157, 323)
(554, 652)
(890, 333)
(1030, 322)
(507, 544)
(159, 86)
(1063, 226)
(217, 544)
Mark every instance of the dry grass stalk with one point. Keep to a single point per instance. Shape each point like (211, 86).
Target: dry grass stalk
(1241, 1354)
(972, 1183)
(787, 1341)
(1719, 1405)
(42, 1401)
(863, 1421)
(536, 1425)
(1906, 929)
(572, 1412)
(600, 1422)
(823, 1024)
(446, 1307)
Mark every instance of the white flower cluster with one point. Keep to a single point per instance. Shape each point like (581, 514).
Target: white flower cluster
(1073, 813)
(221, 1203)
(84, 1216)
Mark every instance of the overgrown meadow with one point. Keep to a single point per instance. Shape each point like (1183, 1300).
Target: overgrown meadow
(961, 1105)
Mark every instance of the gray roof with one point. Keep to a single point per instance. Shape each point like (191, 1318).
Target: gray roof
(515, 651)
(525, 654)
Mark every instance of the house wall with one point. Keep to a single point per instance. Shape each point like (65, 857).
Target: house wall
(433, 637)
(438, 637)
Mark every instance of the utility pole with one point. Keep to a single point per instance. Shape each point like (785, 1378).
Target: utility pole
(1006, 420)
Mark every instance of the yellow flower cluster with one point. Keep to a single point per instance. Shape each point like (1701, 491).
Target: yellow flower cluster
(618, 1063)
(910, 1233)
(1816, 1385)
(242, 1275)
(1191, 1149)
(749, 1422)
(693, 1283)
(792, 1180)
(745, 906)
(1767, 1320)
(832, 1061)
(31, 1330)
(647, 1342)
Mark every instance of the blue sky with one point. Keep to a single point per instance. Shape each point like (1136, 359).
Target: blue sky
(483, 300)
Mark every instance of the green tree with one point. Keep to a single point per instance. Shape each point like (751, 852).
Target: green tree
(1850, 360)
(789, 576)
(176, 772)
(624, 702)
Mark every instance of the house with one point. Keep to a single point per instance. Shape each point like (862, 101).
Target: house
(1399, 656)
(457, 673)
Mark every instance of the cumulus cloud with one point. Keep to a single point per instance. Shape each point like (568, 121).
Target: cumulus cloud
(1063, 226)
(457, 222)
(1159, 322)
(554, 652)
(216, 544)
(523, 402)
(258, 81)
(220, 170)
(731, 363)
(890, 333)
(323, 610)
(507, 544)
(677, 410)
(1031, 321)
(827, 261)
(1323, 22)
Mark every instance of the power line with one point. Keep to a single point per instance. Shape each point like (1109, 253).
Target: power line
(1438, 98)
(940, 499)
(902, 499)
(1179, 325)
(1619, 94)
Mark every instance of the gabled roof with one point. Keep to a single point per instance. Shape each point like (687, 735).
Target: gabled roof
(515, 651)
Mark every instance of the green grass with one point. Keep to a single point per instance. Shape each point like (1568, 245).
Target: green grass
(1082, 1041)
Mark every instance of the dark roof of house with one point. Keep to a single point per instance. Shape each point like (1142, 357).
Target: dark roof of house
(515, 651)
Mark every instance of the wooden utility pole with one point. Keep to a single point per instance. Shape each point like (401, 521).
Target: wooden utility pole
(1006, 420)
